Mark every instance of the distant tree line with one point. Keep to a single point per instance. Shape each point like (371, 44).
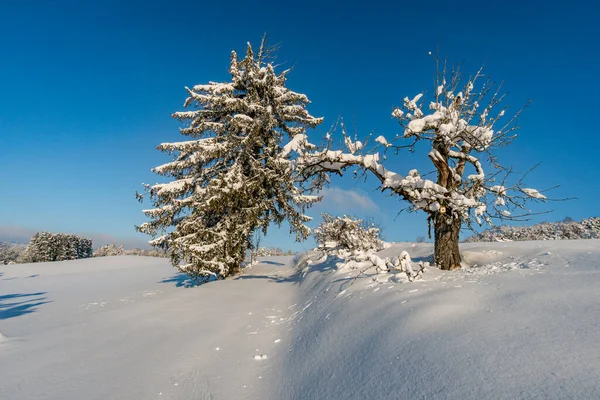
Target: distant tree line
(272, 251)
(113, 250)
(46, 246)
(568, 229)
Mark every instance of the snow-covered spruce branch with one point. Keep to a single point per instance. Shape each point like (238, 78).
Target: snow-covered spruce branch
(461, 124)
(46, 246)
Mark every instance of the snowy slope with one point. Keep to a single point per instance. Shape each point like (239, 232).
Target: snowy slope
(121, 328)
(523, 324)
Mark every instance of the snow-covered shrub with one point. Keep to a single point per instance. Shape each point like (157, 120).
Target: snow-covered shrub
(46, 246)
(352, 244)
(566, 230)
(109, 250)
(10, 253)
(347, 234)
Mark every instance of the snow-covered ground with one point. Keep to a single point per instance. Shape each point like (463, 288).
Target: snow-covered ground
(522, 324)
(128, 328)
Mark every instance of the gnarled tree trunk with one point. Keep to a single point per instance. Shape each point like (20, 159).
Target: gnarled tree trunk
(446, 231)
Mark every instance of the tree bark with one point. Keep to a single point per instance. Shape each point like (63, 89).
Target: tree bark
(446, 231)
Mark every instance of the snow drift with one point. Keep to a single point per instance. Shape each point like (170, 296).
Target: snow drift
(521, 322)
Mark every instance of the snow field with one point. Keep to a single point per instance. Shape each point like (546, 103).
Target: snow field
(520, 320)
(127, 328)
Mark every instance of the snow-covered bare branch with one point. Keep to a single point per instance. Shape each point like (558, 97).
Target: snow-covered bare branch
(464, 124)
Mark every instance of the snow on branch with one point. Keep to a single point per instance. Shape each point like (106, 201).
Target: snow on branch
(463, 124)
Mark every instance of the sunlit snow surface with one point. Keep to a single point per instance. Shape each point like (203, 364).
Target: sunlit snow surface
(522, 322)
(129, 328)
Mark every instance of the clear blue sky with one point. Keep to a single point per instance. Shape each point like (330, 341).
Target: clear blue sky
(88, 88)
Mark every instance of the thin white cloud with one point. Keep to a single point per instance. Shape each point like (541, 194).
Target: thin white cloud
(344, 201)
(336, 201)
(15, 234)
(19, 234)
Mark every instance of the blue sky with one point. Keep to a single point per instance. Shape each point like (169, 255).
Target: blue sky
(88, 89)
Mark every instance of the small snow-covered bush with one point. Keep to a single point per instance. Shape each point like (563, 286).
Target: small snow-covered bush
(352, 244)
(9, 253)
(109, 250)
(347, 234)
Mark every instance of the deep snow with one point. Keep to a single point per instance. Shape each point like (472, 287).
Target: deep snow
(523, 324)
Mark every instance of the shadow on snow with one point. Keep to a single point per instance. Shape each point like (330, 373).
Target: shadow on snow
(273, 263)
(187, 281)
(17, 304)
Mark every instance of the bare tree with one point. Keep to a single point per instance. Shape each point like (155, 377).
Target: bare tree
(464, 125)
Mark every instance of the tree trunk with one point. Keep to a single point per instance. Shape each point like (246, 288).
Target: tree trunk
(446, 231)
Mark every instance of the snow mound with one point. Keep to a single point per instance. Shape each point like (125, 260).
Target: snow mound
(517, 322)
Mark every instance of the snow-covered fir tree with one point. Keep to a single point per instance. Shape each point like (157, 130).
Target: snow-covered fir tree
(463, 124)
(46, 246)
(235, 174)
